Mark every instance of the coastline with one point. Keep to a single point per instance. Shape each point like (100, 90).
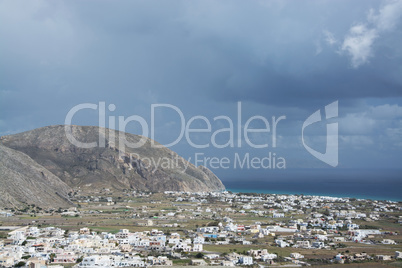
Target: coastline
(279, 192)
(374, 184)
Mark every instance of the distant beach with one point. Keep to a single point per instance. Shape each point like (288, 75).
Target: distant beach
(369, 184)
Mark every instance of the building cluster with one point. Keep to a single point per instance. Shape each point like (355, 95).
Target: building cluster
(298, 222)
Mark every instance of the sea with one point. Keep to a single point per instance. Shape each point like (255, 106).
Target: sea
(374, 184)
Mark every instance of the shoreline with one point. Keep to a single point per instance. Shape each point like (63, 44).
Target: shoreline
(279, 192)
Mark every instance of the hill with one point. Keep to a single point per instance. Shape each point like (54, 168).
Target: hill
(144, 168)
(23, 181)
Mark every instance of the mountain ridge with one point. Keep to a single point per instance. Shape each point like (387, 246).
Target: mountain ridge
(109, 166)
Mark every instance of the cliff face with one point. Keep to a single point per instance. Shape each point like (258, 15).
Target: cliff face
(143, 168)
(22, 180)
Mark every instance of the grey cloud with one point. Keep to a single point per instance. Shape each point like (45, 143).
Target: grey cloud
(277, 57)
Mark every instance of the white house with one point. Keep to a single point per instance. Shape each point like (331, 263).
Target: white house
(303, 244)
(246, 260)
(281, 243)
(66, 257)
(197, 247)
(95, 261)
(296, 256)
(199, 240)
(182, 246)
(388, 242)
(268, 257)
(398, 255)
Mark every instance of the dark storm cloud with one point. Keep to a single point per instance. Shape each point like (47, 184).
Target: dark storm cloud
(277, 57)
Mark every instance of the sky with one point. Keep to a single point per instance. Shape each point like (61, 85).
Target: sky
(207, 58)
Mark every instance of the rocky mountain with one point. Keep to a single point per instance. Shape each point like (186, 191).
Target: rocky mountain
(22, 180)
(110, 165)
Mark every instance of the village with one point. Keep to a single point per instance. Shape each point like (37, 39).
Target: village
(138, 229)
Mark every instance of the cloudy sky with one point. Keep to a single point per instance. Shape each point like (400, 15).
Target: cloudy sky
(278, 58)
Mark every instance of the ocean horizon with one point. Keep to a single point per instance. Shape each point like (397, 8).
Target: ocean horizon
(353, 183)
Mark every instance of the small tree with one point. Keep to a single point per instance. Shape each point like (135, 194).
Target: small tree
(20, 264)
(52, 255)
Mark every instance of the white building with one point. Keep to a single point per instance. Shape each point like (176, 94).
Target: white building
(246, 260)
(95, 261)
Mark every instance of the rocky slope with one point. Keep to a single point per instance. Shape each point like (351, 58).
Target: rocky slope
(143, 168)
(22, 180)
